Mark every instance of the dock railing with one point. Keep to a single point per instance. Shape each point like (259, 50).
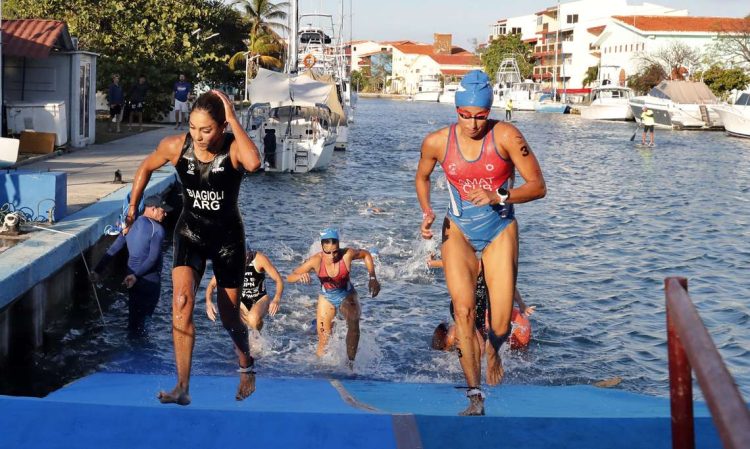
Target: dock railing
(691, 347)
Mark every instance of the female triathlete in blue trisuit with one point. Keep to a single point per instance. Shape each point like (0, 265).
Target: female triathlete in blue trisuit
(210, 164)
(479, 157)
(333, 267)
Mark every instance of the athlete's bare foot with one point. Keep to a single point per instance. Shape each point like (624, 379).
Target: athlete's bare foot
(177, 396)
(475, 408)
(495, 370)
(247, 386)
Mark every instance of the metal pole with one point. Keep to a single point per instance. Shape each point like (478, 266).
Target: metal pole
(680, 382)
(554, 68)
(294, 37)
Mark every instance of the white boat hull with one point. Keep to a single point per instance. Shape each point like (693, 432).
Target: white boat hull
(668, 114)
(736, 119)
(426, 96)
(607, 112)
(342, 137)
(447, 97)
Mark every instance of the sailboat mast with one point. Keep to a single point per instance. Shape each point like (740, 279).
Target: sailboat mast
(557, 43)
(293, 57)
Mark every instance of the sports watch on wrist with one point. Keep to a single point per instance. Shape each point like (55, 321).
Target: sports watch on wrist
(503, 194)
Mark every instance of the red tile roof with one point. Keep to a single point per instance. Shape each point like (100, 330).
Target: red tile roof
(683, 24)
(597, 30)
(32, 38)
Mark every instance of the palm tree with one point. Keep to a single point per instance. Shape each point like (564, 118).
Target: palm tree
(263, 51)
(264, 45)
(592, 75)
(265, 17)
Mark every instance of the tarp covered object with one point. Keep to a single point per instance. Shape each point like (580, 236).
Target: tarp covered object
(684, 92)
(281, 89)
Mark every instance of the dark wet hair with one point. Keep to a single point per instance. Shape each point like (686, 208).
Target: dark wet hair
(212, 105)
(439, 337)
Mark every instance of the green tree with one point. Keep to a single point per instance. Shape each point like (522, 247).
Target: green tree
(721, 81)
(264, 16)
(507, 46)
(647, 78)
(592, 75)
(159, 38)
(359, 81)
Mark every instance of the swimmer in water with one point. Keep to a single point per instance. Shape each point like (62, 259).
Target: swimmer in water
(254, 300)
(333, 267)
(444, 336)
(210, 163)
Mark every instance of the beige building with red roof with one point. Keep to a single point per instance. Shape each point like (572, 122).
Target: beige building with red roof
(414, 61)
(624, 39)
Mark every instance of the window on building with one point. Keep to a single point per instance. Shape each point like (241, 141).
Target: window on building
(539, 20)
(354, 48)
(572, 18)
(500, 29)
(515, 30)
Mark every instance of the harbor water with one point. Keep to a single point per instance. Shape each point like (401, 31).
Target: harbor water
(616, 221)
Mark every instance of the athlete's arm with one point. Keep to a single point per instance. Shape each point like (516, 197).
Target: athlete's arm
(302, 272)
(264, 264)
(168, 150)
(246, 153)
(428, 157)
(211, 309)
(373, 284)
(510, 139)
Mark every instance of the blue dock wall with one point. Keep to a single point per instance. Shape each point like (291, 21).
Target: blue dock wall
(37, 193)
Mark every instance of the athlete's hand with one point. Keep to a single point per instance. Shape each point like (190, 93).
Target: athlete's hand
(374, 287)
(273, 307)
(304, 278)
(211, 310)
(529, 311)
(427, 219)
(129, 280)
(482, 197)
(228, 105)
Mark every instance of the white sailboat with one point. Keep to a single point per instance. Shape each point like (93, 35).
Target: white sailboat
(293, 117)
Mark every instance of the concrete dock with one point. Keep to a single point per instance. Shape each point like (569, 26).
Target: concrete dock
(40, 272)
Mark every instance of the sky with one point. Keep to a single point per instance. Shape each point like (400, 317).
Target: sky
(389, 20)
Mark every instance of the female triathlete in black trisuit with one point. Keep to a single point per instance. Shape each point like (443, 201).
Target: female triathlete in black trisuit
(210, 164)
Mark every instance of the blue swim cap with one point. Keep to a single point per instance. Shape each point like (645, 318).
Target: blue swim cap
(329, 233)
(475, 90)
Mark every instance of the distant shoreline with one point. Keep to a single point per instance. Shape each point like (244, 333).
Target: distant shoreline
(380, 95)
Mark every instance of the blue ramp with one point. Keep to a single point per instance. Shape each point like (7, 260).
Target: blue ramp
(121, 411)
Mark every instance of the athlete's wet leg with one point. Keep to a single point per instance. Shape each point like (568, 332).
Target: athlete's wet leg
(461, 272)
(500, 260)
(183, 333)
(229, 309)
(351, 311)
(326, 313)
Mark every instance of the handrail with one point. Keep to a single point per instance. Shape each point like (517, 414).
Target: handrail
(690, 345)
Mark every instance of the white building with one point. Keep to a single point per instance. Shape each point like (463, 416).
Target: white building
(523, 25)
(412, 61)
(48, 84)
(361, 51)
(625, 39)
(568, 58)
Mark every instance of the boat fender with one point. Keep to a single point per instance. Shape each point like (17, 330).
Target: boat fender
(309, 61)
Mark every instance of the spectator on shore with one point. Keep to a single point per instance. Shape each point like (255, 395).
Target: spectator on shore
(137, 98)
(115, 100)
(180, 95)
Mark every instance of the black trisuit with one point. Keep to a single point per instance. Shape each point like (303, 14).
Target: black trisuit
(253, 283)
(210, 225)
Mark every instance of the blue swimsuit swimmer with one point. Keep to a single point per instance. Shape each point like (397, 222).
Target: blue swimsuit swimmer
(334, 288)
